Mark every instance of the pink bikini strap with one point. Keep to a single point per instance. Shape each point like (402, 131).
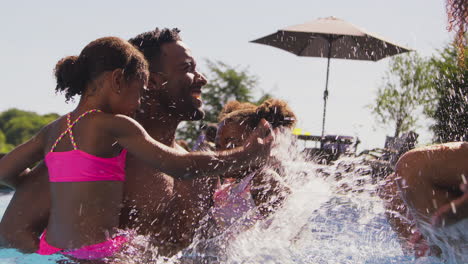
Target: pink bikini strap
(69, 129)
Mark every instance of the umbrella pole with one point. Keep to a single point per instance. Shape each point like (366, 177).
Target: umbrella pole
(325, 93)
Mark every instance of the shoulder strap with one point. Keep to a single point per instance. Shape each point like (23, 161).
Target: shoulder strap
(70, 126)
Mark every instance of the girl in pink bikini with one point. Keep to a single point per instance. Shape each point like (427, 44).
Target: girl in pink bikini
(85, 150)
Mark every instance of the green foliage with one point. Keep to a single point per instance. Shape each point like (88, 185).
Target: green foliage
(406, 88)
(226, 83)
(17, 126)
(450, 82)
(4, 147)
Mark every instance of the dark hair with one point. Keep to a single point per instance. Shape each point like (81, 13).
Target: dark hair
(73, 73)
(149, 43)
(276, 112)
(210, 131)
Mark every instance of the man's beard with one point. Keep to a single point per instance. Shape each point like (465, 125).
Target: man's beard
(184, 110)
(197, 114)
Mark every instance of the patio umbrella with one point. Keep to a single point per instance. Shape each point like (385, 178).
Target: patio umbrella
(331, 38)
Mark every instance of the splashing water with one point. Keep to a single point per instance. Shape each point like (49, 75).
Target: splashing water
(332, 215)
(318, 223)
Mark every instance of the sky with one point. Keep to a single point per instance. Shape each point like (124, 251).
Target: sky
(36, 34)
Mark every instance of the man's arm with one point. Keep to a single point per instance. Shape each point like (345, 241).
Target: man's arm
(14, 180)
(27, 214)
(23, 156)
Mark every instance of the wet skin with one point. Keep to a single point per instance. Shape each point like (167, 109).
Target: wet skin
(22, 223)
(75, 220)
(155, 203)
(430, 179)
(426, 182)
(148, 194)
(264, 185)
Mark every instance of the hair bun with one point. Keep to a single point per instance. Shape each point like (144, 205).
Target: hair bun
(102, 55)
(65, 72)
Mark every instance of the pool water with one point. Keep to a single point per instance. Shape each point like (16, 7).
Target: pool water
(318, 223)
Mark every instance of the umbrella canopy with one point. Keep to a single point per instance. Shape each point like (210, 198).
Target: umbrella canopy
(331, 38)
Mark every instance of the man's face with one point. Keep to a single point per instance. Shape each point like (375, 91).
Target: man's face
(181, 94)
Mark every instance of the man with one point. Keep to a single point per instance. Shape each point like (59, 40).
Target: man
(155, 204)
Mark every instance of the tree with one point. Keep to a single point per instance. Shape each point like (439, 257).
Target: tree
(457, 12)
(4, 147)
(226, 83)
(450, 81)
(405, 90)
(18, 126)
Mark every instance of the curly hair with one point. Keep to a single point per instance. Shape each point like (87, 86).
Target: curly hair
(457, 13)
(149, 43)
(73, 73)
(275, 111)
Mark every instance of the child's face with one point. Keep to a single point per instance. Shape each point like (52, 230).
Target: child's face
(231, 135)
(129, 97)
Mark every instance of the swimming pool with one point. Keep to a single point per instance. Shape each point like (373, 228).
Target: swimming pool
(312, 228)
(316, 224)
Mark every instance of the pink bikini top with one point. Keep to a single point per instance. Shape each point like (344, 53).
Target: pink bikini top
(78, 166)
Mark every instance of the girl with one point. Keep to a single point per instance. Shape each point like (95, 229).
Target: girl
(85, 150)
(251, 188)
